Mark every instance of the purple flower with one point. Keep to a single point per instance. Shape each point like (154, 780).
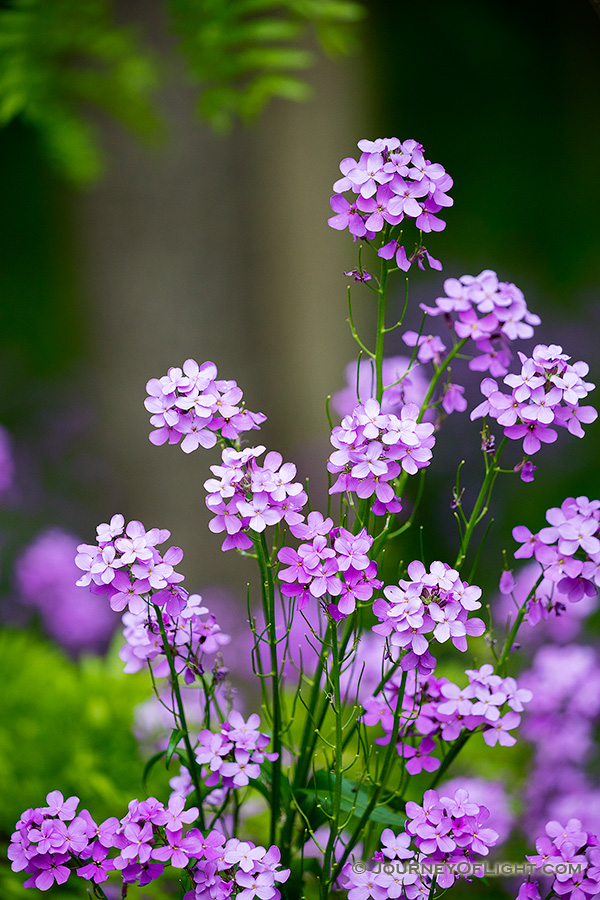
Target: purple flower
(499, 731)
(358, 275)
(390, 184)
(192, 406)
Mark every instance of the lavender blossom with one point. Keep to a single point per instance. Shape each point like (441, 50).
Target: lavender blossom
(547, 392)
(390, 184)
(190, 405)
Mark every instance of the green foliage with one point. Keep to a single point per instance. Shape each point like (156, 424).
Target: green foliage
(67, 727)
(56, 56)
(59, 57)
(241, 50)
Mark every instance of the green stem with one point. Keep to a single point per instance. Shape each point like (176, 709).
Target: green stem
(312, 726)
(391, 671)
(181, 713)
(386, 535)
(450, 756)
(498, 670)
(438, 374)
(98, 892)
(268, 598)
(338, 765)
(430, 392)
(380, 330)
(390, 759)
(510, 639)
(304, 755)
(481, 504)
(320, 717)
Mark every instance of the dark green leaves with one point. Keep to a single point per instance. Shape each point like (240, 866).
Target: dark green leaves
(56, 57)
(245, 52)
(316, 802)
(60, 58)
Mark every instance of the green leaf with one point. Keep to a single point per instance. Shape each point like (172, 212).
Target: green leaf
(80, 715)
(149, 766)
(55, 54)
(263, 784)
(274, 58)
(176, 736)
(239, 51)
(354, 799)
(259, 30)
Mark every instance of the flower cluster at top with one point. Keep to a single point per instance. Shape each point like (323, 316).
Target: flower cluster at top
(53, 841)
(391, 181)
(492, 313)
(568, 551)
(444, 830)
(436, 707)
(546, 392)
(332, 561)
(191, 403)
(436, 602)
(245, 495)
(573, 855)
(234, 753)
(373, 447)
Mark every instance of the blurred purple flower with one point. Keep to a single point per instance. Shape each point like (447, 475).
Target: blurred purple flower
(411, 389)
(45, 576)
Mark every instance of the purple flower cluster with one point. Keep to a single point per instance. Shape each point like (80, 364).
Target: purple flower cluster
(568, 551)
(247, 496)
(191, 403)
(493, 313)
(391, 181)
(332, 561)
(444, 830)
(52, 841)
(126, 566)
(372, 448)
(549, 615)
(436, 602)
(191, 636)
(438, 708)
(492, 794)
(449, 829)
(546, 392)
(562, 849)
(238, 868)
(235, 753)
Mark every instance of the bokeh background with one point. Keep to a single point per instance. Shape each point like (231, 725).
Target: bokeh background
(215, 246)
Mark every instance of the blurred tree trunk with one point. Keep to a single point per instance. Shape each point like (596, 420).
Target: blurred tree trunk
(217, 248)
